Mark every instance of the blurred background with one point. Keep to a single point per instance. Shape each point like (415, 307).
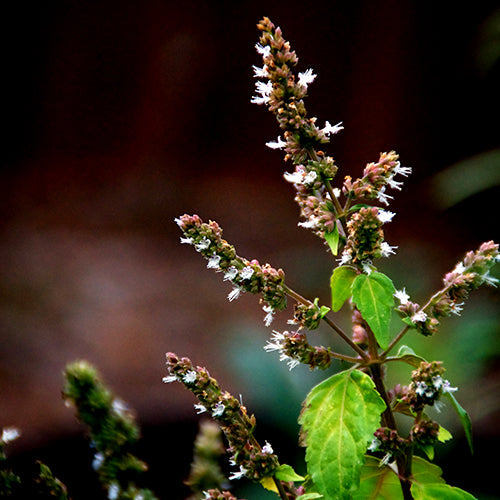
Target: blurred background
(121, 115)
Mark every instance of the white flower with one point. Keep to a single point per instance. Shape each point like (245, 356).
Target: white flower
(279, 144)
(310, 177)
(383, 197)
(447, 388)
(312, 223)
(374, 446)
(332, 129)
(419, 317)
(404, 171)
(238, 475)
(264, 51)
(402, 296)
(260, 72)
(269, 316)
(295, 178)
(119, 407)
(385, 216)
(275, 343)
(306, 78)
(264, 91)
(230, 274)
(387, 249)
(292, 363)
(234, 294)
(267, 448)
(459, 268)
(203, 244)
(457, 308)
(345, 257)
(218, 409)
(213, 262)
(113, 491)
(394, 184)
(178, 221)
(190, 377)
(490, 280)
(421, 388)
(246, 273)
(188, 241)
(199, 409)
(9, 434)
(98, 460)
(170, 378)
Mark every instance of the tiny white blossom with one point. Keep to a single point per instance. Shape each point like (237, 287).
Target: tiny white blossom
(459, 268)
(213, 262)
(188, 241)
(387, 249)
(170, 378)
(306, 78)
(402, 296)
(385, 216)
(437, 382)
(383, 197)
(421, 388)
(203, 244)
(275, 343)
(113, 491)
(294, 178)
(119, 407)
(256, 99)
(386, 459)
(447, 387)
(292, 363)
(264, 51)
(190, 377)
(278, 144)
(394, 184)
(98, 460)
(246, 273)
(238, 475)
(457, 308)
(419, 317)
(490, 280)
(199, 409)
(218, 409)
(230, 274)
(9, 434)
(260, 72)
(404, 171)
(264, 88)
(311, 223)
(310, 177)
(178, 221)
(267, 448)
(345, 257)
(374, 446)
(332, 129)
(234, 294)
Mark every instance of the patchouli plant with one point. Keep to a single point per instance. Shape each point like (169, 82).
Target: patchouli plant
(354, 448)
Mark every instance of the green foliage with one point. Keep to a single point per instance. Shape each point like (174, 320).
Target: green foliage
(373, 294)
(332, 238)
(464, 418)
(407, 354)
(340, 284)
(338, 420)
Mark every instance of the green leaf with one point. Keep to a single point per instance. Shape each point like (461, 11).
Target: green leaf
(332, 239)
(309, 496)
(429, 485)
(464, 418)
(407, 354)
(428, 449)
(444, 435)
(286, 473)
(339, 418)
(373, 295)
(377, 482)
(382, 483)
(340, 284)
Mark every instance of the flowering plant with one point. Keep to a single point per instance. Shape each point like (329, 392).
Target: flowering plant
(354, 449)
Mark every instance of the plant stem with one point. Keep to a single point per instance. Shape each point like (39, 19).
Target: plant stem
(403, 461)
(302, 300)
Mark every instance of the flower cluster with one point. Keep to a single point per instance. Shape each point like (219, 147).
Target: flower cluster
(377, 177)
(255, 462)
(245, 275)
(468, 275)
(308, 315)
(216, 494)
(387, 441)
(295, 349)
(427, 385)
(425, 432)
(365, 238)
